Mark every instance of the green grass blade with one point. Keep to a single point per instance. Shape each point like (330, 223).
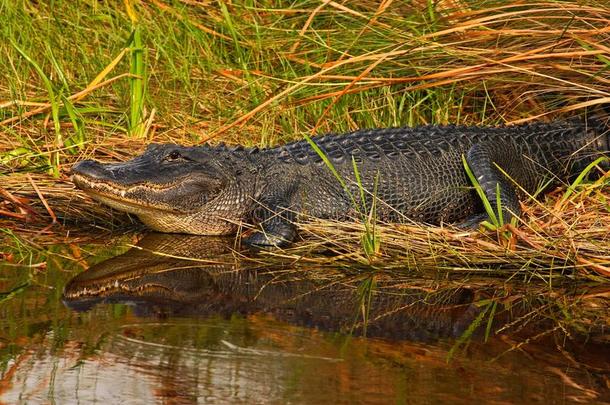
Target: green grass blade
(137, 84)
(232, 30)
(328, 164)
(79, 137)
(486, 203)
(572, 188)
(490, 320)
(464, 337)
(369, 240)
(499, 205)
(53, 100)
(360, 187)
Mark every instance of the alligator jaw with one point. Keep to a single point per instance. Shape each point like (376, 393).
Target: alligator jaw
(86, 297)
(119, 196)
(91, 291)
(113, 287)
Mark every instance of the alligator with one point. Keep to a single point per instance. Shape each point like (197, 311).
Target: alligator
(402, 174)
(191, 276)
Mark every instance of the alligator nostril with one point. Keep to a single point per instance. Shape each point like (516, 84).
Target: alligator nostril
(90, 168)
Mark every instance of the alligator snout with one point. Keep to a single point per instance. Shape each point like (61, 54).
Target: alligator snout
(91, 169)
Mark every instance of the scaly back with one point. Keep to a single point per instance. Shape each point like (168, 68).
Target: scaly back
(546, 142)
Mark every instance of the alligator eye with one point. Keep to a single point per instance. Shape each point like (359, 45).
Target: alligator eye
(173, 155)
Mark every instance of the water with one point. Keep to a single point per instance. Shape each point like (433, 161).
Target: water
(186, 320)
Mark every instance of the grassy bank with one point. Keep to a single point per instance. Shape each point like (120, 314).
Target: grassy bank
(103, 79)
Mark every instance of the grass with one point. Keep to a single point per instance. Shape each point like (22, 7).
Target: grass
(89, 79)
(367, 216)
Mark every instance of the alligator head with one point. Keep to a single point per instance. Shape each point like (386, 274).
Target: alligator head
(172, 188)
(164, 268)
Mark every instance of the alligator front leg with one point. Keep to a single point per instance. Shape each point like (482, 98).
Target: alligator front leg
(485, 160)
(275, 217)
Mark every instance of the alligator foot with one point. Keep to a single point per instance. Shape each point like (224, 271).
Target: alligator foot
(275, 218)
(263, 240)
(487, 162)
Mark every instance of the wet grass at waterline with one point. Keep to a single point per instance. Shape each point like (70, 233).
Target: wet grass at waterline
(84, 79)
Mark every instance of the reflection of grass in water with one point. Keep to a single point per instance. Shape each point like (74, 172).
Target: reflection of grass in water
(27, 263)
(38, 310)
(33, 316)
(475, 325)
(7, 295)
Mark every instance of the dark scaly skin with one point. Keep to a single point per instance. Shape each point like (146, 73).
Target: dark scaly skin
(415, 173)
(154, 280)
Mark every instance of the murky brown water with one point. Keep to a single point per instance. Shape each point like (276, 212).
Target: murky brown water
(184, 320)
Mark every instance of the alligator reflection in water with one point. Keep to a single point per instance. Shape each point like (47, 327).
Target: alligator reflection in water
(194, 276)
(182, 275)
